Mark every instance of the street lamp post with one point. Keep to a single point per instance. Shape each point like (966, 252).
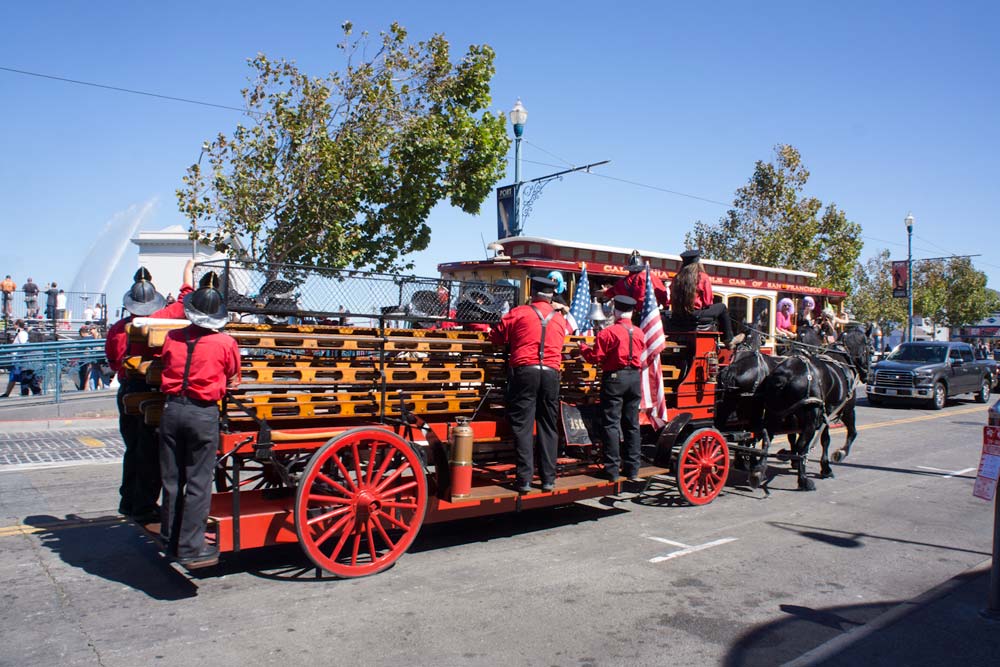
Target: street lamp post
(909, 277)
(518, 116)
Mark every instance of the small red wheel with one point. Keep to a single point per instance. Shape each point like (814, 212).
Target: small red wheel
(361, 502)
(702, 466)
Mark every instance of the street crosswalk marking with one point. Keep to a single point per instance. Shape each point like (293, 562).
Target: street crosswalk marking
(684, 549)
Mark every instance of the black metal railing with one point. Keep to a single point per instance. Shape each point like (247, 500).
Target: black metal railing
(62, 319)
(295, 293)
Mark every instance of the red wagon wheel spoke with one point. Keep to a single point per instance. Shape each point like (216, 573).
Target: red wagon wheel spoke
(357, 464)
(702, 466)
(333, 529)
(347, 475)
(399, 505)
(363, 523)
(336, 486)
(371, 462)
(381, 530)
(392, 478)
(395, 491)
(393, 521)
(329, 515)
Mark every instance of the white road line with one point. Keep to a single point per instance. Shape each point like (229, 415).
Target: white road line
(666, 541)
(951, 473)
(686, 550)
(20, 467)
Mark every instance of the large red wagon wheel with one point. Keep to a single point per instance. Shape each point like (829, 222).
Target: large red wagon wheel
(361, 502)
(702, 466)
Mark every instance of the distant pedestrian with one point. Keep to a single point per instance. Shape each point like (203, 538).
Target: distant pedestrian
(30, 290)
(20, 338)
(8, 286)
(60, 305)
(50, 301)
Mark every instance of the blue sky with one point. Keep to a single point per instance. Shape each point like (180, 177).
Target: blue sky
(894, 107)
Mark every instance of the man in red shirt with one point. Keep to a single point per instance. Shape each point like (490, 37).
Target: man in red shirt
(535, 334)
(635, 284)
(617, 351)
(140, 489)
(199, 365)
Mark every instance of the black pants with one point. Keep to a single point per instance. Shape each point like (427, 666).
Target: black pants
(621, 393)
(140, 487)
(533, 396)
(721, 315)
(189, 438)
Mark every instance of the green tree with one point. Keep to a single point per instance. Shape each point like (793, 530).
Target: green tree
(344, 170)
(773, 224)
(967, 299)
(870, 295)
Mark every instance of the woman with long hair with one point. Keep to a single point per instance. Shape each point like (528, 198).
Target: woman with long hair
(691, 296)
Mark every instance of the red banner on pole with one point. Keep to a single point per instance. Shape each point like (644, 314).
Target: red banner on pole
(900, 273)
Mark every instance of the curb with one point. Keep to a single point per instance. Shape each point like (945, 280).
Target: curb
(36, 425)
(844, 641)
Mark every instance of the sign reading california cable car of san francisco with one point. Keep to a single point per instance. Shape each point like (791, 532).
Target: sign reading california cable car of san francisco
(748, 290)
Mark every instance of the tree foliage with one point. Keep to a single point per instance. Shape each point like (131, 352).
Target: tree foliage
(949, 293)
(344, 170)
(772, 223)
(870, 295)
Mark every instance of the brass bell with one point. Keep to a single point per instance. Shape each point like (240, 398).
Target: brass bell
(597, 312)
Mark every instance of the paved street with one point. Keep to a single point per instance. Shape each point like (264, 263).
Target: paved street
(747, 580)
(79, 445)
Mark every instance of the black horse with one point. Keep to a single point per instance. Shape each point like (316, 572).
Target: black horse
(803, 394)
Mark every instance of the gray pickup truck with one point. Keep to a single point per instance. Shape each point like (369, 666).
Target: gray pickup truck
(931, 372)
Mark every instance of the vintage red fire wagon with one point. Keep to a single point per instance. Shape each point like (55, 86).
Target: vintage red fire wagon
(366, 412)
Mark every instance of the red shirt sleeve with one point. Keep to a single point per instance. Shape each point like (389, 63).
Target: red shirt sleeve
(660, 290)
(704, 292)
(114, 345)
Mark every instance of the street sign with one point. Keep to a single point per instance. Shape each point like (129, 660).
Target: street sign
(900, 272)
(989, 464)
(505, 211)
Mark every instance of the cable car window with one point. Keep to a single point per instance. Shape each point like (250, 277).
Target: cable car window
(762, 312)
(737, 310)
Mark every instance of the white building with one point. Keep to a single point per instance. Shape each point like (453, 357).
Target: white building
(164, 253)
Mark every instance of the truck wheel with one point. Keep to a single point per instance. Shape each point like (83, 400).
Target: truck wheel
(939, 397)
(983, 394)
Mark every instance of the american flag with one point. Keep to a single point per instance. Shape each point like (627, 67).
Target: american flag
(653, 400)
(579, 311)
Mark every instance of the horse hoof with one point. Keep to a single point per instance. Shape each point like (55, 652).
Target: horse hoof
(826, 474)
(783, 454)
(838, 456)
(756, 479)
(807, 485)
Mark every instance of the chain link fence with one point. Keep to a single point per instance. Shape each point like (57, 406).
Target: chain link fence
(285, 293)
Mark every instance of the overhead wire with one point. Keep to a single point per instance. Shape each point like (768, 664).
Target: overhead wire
(636, 183)
(131, 91)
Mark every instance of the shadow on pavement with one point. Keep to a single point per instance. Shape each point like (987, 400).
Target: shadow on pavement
(114, 550)
(940, 627)
(853, 540)
(797, 631)
(288, 562)
(906, 471)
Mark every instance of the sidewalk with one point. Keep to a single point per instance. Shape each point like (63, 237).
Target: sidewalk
(29, 414)
(940, 627)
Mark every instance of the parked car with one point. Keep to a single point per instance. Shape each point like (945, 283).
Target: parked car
(992, 367)
(931, 372)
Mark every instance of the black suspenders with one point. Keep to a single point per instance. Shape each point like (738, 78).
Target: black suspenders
(629, 329)
(187, 363)
(545, 323)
